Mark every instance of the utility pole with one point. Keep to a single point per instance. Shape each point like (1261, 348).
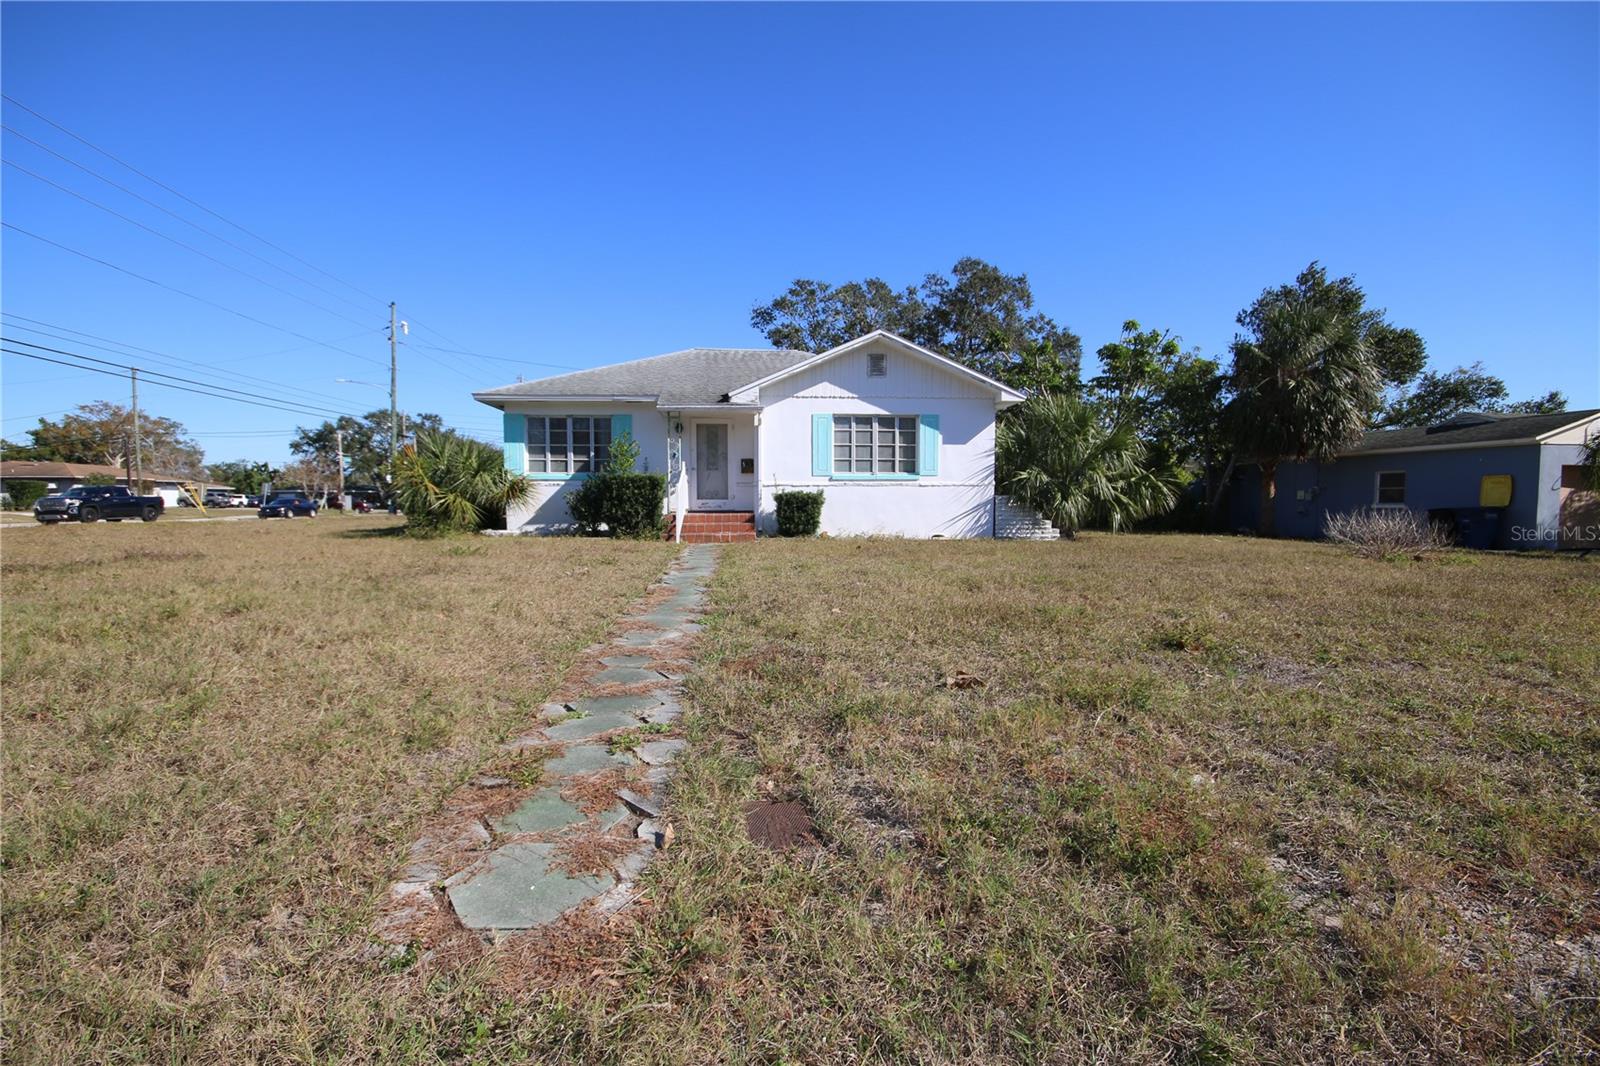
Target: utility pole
(394, 403)
(138, 458)
(338, 439)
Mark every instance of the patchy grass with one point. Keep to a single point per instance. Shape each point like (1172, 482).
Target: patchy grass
(219, 741)
(1215, 800)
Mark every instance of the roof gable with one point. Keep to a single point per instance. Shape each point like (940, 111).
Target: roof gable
(1003, 394)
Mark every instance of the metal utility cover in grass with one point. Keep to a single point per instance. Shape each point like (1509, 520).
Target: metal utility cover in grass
(780, 825)
(518, 889)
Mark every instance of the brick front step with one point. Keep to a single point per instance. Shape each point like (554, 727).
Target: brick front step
(714, 527)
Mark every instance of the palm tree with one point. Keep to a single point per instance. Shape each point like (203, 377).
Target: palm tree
(1304, 382)
(450, 483)
(1056, 454)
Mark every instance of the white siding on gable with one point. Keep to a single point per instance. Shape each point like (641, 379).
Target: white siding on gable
(848, 376)
(955, 502)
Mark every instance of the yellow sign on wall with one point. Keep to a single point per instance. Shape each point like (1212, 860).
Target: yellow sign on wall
(1495, 490)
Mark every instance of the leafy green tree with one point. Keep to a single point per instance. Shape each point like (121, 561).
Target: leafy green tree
(1061, 456)
(1398, 355)
(243, 475)
(1552, 402)
(448, 483)
(1305, 378)
(1433, 398)
(977, 314)
(102, 432)
(366, 444)
(1171, 398)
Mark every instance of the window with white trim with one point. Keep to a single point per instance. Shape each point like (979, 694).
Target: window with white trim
(1390, 489)
(568, 444)
(875, 444)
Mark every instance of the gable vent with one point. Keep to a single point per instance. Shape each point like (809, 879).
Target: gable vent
(877, 365)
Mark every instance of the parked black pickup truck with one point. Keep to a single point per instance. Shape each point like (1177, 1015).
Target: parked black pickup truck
(90, 503)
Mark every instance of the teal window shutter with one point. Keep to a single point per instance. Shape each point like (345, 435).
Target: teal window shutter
(621, 426)
(821, 445)
(516, 443)
(928, 440)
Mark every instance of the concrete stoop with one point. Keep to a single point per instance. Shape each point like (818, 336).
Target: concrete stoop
(592, 807)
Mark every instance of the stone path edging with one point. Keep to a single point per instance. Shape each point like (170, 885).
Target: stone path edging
(503, 859)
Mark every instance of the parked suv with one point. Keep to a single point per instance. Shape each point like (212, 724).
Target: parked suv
(288, 505)
(90, 503)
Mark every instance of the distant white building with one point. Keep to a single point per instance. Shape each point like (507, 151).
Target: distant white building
(900, 439)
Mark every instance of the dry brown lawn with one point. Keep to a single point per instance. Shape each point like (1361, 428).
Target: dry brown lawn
(1203, 800)
(219, 741)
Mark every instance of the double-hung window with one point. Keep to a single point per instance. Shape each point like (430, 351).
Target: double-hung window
(1390, 490)
(874, 444)
(568, 444)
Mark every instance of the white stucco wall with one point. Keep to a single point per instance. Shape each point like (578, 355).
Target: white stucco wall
(547, 509)
(955, 502)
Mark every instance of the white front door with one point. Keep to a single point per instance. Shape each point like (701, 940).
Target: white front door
(710, 465)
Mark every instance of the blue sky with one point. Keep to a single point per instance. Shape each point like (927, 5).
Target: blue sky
(579, 185)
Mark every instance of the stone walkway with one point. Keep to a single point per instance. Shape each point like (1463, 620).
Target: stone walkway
(503, 858)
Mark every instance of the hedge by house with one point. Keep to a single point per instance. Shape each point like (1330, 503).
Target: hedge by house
(799, 513)
(619, 501)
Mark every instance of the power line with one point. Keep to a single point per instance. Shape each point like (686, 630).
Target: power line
(214, 363)
(181, 292)
(186, 221)
(261, 402)
(308, 407)
(164, 358)
(181, 244)
(186, 199)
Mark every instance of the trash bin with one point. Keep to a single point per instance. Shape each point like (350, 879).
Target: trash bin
(1478, 527)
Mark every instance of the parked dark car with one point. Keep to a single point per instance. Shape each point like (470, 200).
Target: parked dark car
(288, 505)
(90, 503)
(361, 505)
(252, 501)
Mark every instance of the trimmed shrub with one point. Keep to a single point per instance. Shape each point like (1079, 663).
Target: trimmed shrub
(622, 504)
(799, 513)
(1385, 533)
(24, 494)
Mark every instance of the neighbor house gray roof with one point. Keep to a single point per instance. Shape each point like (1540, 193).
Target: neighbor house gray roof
(689, 378)
(1469, 428)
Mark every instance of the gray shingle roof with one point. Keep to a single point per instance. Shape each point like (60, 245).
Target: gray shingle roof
(677, 379)
(1492, 429)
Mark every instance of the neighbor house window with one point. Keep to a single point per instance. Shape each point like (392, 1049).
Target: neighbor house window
(877, 365)
(1391, 491)
(570, 444)
(874, 444)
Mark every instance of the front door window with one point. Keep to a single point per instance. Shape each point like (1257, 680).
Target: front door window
(711, 460)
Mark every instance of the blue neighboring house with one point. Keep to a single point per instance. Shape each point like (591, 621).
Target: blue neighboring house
(1502, 481)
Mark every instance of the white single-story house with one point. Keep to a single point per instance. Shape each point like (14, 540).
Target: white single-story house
(899, 438)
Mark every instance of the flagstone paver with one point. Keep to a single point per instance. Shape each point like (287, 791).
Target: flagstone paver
(590, 725)
(518, 888)
(625, 675)
(502, 881)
